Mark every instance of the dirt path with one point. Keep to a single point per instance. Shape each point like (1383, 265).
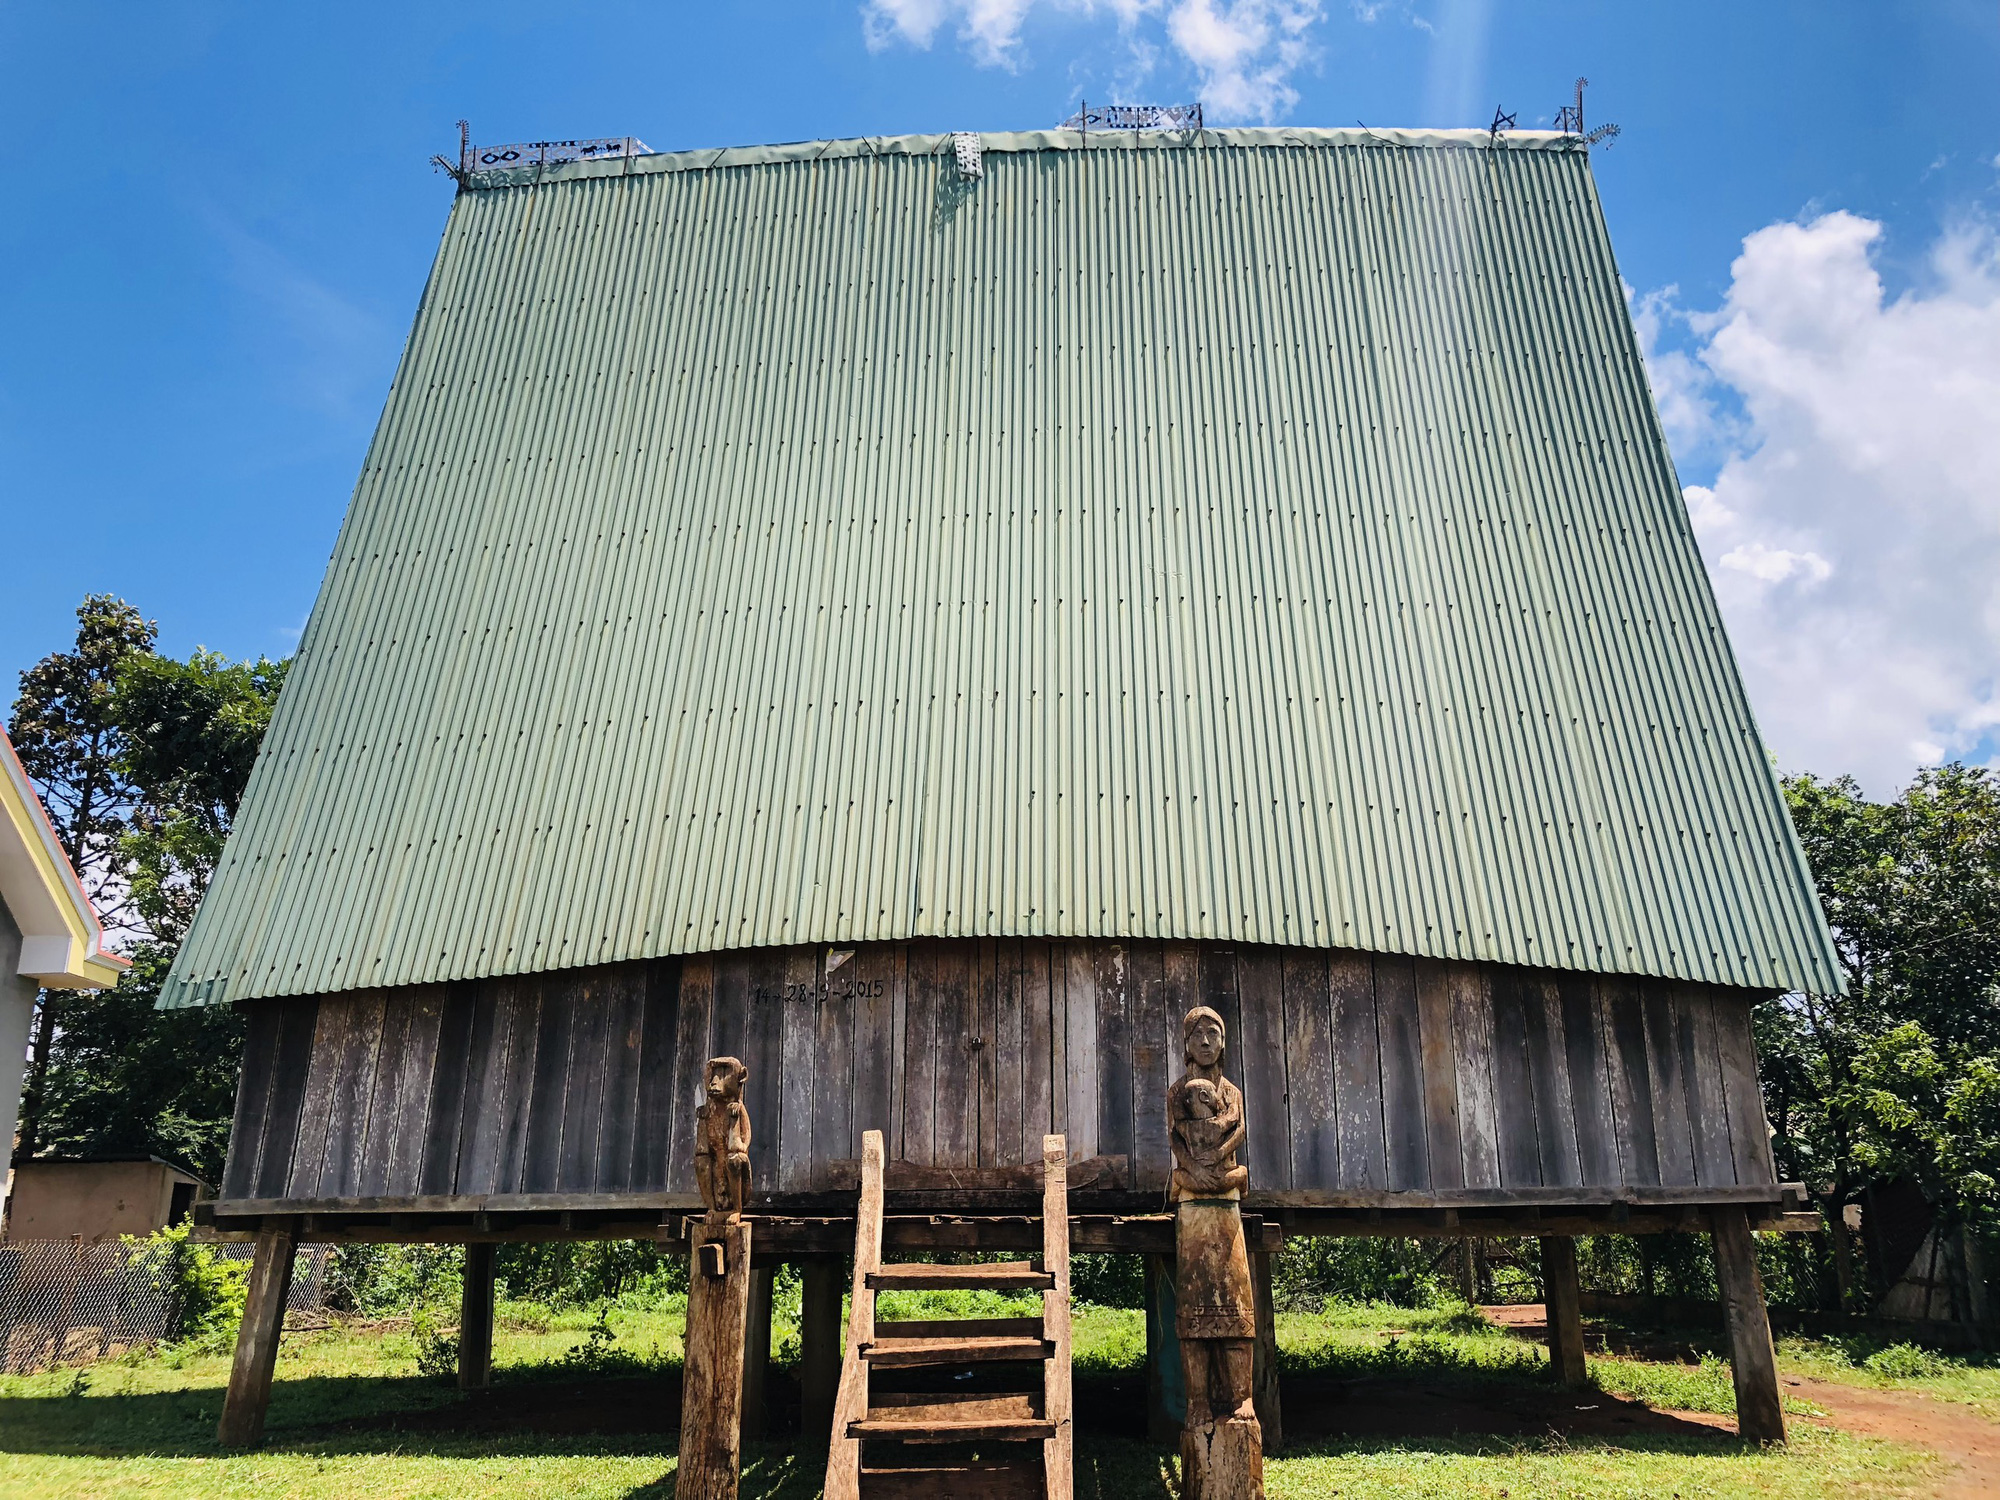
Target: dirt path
(1955, 1433)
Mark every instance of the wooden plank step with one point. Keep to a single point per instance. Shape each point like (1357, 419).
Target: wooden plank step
(951, 1328)
(991, 1276)
(887, 1353)
(898, 1430)
(954, 1406)
(976, 1479)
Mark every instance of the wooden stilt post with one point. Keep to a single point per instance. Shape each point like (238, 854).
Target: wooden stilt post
(1166, 1382)
(475, 1320)
(1753, 1364)
(1264, 1366)
(1564, 1304)
(243, 1408)
(819, 1348)
(757, 1354)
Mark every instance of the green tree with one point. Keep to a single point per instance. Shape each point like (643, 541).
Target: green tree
(67, 730)
(1900, 1076)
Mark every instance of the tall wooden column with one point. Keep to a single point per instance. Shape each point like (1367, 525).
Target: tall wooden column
(1753, 1364)
(757, 1354)
(1166, 1381)
(1563, 1300)
(1264, 1368)
(819, 1349)
(475, 1320)
(718, 1316)
(249, 1395)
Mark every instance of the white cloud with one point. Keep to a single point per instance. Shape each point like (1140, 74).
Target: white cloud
(1243, 53)
(1853, 526)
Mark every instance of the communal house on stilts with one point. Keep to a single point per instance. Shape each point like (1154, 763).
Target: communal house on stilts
(921, 616)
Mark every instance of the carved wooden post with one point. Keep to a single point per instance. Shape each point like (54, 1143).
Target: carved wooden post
(1753, 1364)
(719, 1278)
(475, 1320)
(757, 1354)
(1563, 1303)
(1222, 1443)
(249, 1394)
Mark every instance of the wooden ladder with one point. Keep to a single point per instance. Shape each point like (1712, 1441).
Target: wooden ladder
(930, 1444)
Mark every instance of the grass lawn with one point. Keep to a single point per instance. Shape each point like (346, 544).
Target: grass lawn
(1379, 1402)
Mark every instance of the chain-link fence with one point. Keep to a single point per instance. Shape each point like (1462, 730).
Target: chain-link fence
(68, 1303)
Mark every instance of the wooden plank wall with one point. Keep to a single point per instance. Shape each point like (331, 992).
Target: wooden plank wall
(1359, 1072)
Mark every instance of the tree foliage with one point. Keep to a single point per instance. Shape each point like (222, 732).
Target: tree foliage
(1900, 1076)
(142, 760)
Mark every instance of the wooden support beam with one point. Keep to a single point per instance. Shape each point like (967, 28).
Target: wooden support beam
(1057, 1453)
(1166, 1381)
(1753, 1364)
(249, 1394)
(819, 1349)
(718, 1316)
(1563, 1302)
(1264, 1364)
(757, 1354)
(475, 1320)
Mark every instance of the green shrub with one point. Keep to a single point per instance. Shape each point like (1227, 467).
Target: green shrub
(437, 1346)
(1906, 1362)
(206, 1292)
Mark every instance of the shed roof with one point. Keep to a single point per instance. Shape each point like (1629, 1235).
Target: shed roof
(1262, 535)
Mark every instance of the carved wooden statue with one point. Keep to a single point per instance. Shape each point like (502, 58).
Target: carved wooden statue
(722, 1142)
(1222, 1445)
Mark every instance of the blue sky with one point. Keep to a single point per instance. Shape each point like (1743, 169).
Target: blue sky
(221, 217)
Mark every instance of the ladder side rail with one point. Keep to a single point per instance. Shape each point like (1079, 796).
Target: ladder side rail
(1057, 1455)
(843, 1457)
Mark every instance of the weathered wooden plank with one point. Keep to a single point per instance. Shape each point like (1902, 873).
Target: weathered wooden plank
(1057, 1453)
(835, 1074)
(693, 1030)
(262, 1022)
(955, 1109)
(1548, 1068)
(1516, 1130)
(624, 1047)
(1586, 1053)
(1563, 1306)
(729, 1008)
(328, 1048)
(555, 1039)
(763, 1053)
(1357, 1073)
(353, 1092)
(1153, 1025)
(1080, 1060)
(899, 1046)
(1399, 1028)
(290, 1069)
(1673, 1138)
(256, 1361)
(916, 1137)
(1749, 1134)
(1753, 1365)
(1701, 1067)
(985, 1045)
(1010, 1060)
(1631, 1079)
(383, 1110)
(413, 1090)
(659, 1054)
(1260, 1000)
(452, 1068)
(483, 1102)
(1112, 982)
(875, 967)
(1313, 1107)
(1472, 1050)
(1441, 1125)
(798, 1037)
(1220, 993)
(1040, 1047)
(1180, 968)
(514, 1105)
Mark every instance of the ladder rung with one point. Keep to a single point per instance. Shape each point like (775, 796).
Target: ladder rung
(900, 1352)
(997, 1431)
(992, 1276)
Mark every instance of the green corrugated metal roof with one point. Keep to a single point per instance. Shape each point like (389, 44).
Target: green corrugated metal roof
(1263, 535)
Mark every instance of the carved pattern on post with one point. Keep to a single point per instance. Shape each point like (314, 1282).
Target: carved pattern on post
(1222, 1449)
(718, 1316)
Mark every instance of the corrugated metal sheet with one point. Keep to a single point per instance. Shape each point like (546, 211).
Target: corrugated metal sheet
(1263, 535)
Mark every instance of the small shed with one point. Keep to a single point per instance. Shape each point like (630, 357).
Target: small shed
(920, 632)
(97, 1198)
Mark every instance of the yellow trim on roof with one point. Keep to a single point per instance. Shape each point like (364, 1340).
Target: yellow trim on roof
(62, 945)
